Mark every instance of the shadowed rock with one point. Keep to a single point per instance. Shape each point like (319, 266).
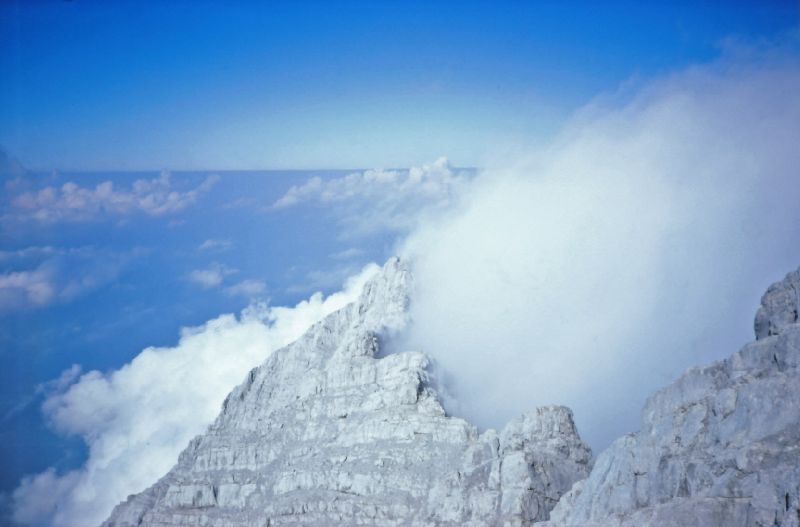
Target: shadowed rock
(720, 447)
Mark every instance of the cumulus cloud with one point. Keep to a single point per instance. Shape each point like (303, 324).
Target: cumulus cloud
(137, 419)
(380, 200)
(71, 203)
(212, 276)
(36, 277)
(637, 244)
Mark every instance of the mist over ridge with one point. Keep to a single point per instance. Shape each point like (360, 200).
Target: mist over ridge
(634, 246)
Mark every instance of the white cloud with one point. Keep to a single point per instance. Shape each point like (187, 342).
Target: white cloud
(36, 277)
(21, 289)
(71, 202)
(211, 277)
(634, 246)
(215, 245)
(377, 200)
(137, 419)
(247, 288)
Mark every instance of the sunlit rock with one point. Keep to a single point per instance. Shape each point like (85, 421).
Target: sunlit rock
(326, 433)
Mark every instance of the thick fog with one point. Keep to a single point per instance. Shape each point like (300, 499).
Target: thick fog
(637, 244)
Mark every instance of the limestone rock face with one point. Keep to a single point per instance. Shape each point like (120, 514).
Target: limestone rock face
(779, 306)
(720, 447)
(328, 432)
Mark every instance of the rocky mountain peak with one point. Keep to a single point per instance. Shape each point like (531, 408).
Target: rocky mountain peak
(779, 306)
(327, 431)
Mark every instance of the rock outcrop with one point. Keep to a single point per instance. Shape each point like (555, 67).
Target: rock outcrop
(329, 432)
(720, 447)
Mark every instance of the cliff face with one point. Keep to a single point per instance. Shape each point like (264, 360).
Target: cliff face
(327, 432)
(719, 447)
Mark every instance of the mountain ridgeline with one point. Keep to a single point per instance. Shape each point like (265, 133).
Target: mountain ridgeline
(329, 431)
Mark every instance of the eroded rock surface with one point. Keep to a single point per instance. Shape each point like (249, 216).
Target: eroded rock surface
(720, 447)
(326, 433)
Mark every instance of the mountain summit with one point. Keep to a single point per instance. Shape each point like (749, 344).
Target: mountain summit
(329, 432)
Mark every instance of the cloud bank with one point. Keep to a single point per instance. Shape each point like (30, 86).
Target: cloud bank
(137, 419)
(636, 245)
(380, 200)
(71, 203)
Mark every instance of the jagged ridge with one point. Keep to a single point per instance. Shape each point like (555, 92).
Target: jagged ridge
(326, 433)
(720, 447)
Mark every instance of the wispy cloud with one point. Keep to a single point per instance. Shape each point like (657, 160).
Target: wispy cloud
(20, 289)
(211, 276)
(36, 277)
(247, 288)
(212, 245)
(73, 203)
(379, 200)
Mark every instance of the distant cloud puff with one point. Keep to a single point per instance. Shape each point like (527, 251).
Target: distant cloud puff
(247, 288)
(26, 288)
(137, 419)
(377, 200)
(36, 277)
(72, 203)
(212, 276)
(215, 245)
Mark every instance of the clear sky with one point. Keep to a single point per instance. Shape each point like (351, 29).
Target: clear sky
(241, 85)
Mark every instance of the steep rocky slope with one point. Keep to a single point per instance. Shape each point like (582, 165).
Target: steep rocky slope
(328, 432)
(720, 447)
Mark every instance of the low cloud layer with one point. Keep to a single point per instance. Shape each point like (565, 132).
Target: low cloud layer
(380, 200)
(71, 202)
(137, 419)
(636, 245)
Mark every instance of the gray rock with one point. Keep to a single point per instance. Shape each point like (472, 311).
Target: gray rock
(720, 447)
(326, 432)
(779, 306)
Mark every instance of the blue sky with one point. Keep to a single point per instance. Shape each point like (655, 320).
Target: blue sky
(163, 164)
(254, 85)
